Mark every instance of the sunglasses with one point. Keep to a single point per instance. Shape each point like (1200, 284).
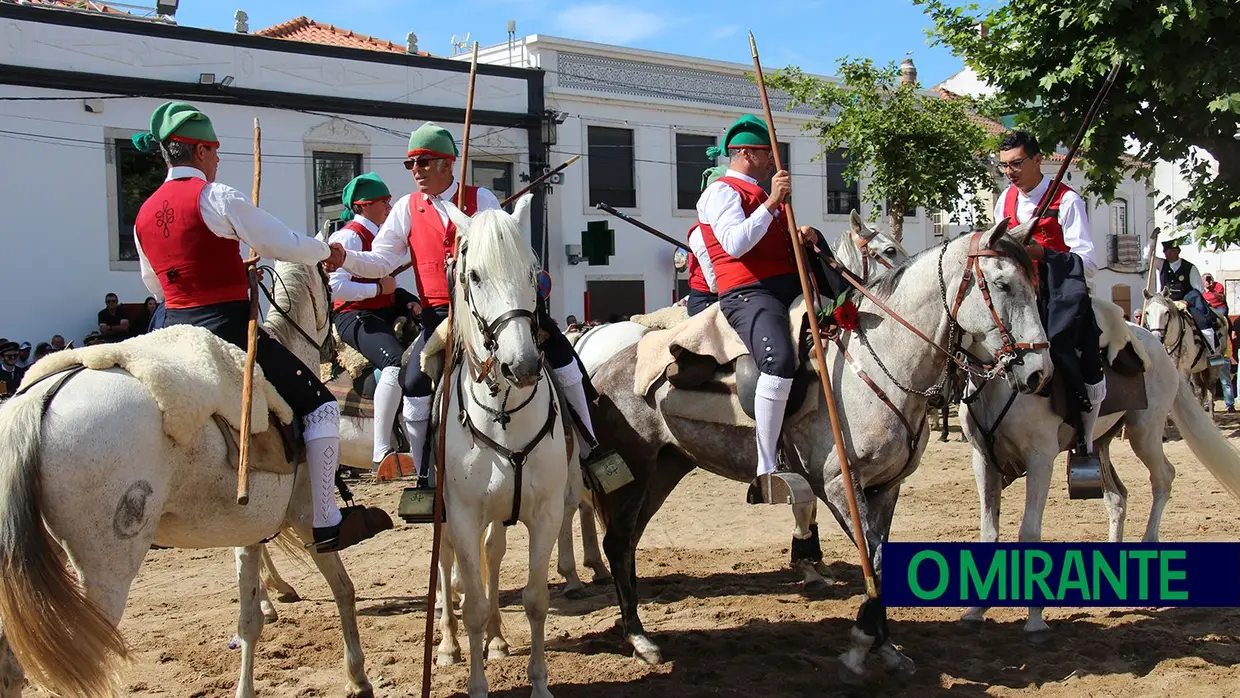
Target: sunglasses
(421, 163)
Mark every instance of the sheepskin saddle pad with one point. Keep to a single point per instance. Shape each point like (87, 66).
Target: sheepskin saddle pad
(193, 377)
(704, 356)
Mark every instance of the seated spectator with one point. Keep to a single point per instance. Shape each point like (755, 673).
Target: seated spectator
(41, 350)
(92, 339)
(10, 373)
(142, 324)
(58, 342)
(23, 355)
(113, 325)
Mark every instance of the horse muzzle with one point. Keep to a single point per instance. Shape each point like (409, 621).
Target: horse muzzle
(521, 374)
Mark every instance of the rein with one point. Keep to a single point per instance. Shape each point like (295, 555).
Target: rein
(480, 371)
(275, 276)
(862, 243)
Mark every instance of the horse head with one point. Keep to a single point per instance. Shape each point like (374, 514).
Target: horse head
(1158, 314)
(495, 287)
(300, 314)
(995, 304)
(864, 244)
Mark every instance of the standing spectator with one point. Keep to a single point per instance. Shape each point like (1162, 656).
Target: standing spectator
(41, 350)
(113, 325)
(58, 342)
(1214, 293)
(10, 373)
(23, 355)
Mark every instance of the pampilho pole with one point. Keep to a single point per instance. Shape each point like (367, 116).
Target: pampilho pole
(251, 340)
(841, 453)
(440, 441)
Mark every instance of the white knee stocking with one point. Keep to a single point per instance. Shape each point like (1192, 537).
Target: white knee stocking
(417, 414)
(322, 434)
(569, 378)
(387, 400)
(770, 400)
(1097, 393)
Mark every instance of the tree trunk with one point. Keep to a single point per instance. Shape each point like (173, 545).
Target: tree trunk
(895, 214)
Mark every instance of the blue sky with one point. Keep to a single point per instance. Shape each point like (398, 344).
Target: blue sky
(812, 34)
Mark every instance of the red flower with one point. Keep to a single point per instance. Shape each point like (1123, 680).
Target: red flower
(846, 316)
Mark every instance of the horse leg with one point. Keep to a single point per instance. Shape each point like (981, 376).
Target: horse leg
(496, 546)
(883, 508)
(566, 563)
(589, 543)
(1147, 445)
(536, 595)
(466, 529)
(273, 581)
(806, 550)
(1114, 494)
(449, 652)
(631, 508)
(250, 624)
(990, 495)
(867, 632)
(1037, 489)
(337, 578)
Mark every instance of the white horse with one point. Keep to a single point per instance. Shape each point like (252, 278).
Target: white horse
(508, 454)
(1176, 329)
(865, 252)
(69, 467)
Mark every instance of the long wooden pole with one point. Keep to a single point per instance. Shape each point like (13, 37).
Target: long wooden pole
(251, 340)
(446, 395)
(629, 219)
(863, 550)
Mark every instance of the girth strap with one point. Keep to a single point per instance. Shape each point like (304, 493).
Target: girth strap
(514, 458)
(913, 438)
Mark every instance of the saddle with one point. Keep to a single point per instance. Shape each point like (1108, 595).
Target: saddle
(351, 377)
(712, 376)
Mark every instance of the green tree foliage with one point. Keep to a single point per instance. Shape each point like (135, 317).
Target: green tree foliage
(914, 151)
(1179, 90)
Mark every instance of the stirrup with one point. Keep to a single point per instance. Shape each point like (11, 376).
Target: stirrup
(395, 466)
(605, 471)
(779, 488)
(1084, 474)
(417, 504)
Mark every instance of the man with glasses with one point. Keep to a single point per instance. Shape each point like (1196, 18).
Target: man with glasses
(419, 227)
(189, 234)
(113, 325)
(367, 308)
(1064, 247)
(10, 373)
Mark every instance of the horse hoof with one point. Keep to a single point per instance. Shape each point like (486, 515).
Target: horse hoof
(850, 677)
(576, 593)
(601, 579)
(289, 597)
(448, 658)
(816, 587)
(1038, 638)
(973, 625)
(497, 649)
(646, 651)
(367, 692)
(271, 618)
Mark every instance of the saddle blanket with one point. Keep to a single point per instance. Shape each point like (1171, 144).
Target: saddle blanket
(191, 374)
(705, 334)
(351, 394)
(663, 318)
(1117, 333)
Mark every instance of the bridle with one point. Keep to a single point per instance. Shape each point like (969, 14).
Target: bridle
(863, 244)
(1185, 328)
(483, 370)
(327, 293)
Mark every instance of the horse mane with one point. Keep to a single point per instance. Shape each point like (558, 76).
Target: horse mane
(492, 246)
(291, 284)
(847, 253)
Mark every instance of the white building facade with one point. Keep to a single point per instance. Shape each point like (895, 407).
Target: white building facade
(642, 121)
(74, 87)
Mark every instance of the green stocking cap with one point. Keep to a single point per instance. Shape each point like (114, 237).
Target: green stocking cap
(712, 174)
(748, 132)
(363, 189)
(176, 121)
(432, 140)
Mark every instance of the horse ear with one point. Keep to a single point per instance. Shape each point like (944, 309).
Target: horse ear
(1147, 293)
(457, 216)
(995, 233)
(522, 207)
(858, 225)
(1022, 232)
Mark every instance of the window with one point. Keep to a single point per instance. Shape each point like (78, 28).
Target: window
(784, 157)
(614, 300)
(138, 175)
(691, 161)
(611, 166)
(332, 171)
(942, 222)
(1119, 217)
(496, 176)
(842, 197)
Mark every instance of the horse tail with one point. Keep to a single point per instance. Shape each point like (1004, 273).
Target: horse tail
(1204, 439)
(63, 639)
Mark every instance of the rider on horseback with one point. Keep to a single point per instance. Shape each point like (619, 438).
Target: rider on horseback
(419, 226)
(702, 289)
(188, 236)
(367, 308)
(1181, 281)
(1062, 242)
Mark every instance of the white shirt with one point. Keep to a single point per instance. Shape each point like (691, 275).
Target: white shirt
(1194, 275)
(1073, 218)
(391, 245)
(229, 215)
(698, 245)
(343, 287)
(720, 208)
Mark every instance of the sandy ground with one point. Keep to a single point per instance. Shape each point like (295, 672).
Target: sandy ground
(719, 598)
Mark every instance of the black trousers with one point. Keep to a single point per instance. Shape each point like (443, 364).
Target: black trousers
(759, 314)
(370, 331)
(697, 301)
(556, 347)
(297, 383)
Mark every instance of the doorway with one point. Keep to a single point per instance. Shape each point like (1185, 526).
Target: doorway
(611, 301)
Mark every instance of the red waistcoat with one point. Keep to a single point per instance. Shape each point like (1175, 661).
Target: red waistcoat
(430, 244)
(772, 256)
(195, 266)
(697, 279)
(378, 302)
(1049, 233)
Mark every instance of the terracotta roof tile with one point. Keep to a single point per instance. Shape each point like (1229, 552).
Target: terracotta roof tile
(79, 5)
(309, 31)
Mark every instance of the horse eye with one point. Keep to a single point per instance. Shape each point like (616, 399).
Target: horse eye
(890, 251)
(1004, 286)
(473, 276)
